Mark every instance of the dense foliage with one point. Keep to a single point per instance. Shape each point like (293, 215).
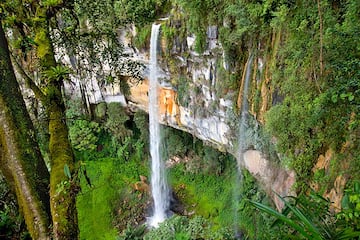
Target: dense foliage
(320, 105)
(309, 217)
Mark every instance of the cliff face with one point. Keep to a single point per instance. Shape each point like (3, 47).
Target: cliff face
(200, 94)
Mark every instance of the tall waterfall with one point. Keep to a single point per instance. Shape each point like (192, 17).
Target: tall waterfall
(244, 108)
(242, 141)
(159, 187)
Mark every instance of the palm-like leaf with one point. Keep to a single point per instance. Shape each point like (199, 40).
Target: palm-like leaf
(298, 227)
(57, 73)
(313, 225)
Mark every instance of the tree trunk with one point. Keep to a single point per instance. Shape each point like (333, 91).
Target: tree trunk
(63, 188)
(21, 161)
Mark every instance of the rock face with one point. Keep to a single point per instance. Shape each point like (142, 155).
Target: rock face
(336, 193)
(273, 178)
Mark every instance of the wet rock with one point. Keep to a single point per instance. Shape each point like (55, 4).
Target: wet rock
(273, 178)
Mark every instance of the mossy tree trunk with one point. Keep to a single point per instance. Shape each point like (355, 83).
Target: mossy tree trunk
(21, 161)
(63, 188)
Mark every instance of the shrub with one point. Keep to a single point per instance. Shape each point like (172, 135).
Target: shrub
(12, 225)
(116, 121)
(100, 110)
(84, 135)
(180, 227)
(183, 91)
(141, 120)
(142, 37)
(350, 213)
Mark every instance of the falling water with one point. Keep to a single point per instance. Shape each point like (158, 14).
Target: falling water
(159, 188)
(244, 110)
(242, 142)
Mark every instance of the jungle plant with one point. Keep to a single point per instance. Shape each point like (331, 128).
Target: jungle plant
(181, 227)
(11, 222)
(309, 218)
(351, 206)
(142, 37)
(57, 73)
(142, 128)
(139, 13)
(100, 110)
(132, 233)
(184, 91)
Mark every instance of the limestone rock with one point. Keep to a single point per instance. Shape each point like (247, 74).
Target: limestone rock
(273, 178)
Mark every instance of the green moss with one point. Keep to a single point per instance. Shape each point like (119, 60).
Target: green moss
(110, 200)
(52, 3)
(94, 204)
(62, 203)
(42, 38)
(43, 44)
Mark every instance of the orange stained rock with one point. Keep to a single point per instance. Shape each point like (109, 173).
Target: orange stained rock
(167, 102)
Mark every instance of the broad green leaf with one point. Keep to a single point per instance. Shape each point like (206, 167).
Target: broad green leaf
(67, 171)
(282, 217)
(345, 202)
(310, 226)
(357, 187)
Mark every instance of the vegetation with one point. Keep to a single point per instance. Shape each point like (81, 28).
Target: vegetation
(11, 222)
(108, 201)
(83, 135)
(316, 95)
(318, 83)
(304, 89)
(109, 177)
(309, 218)
(178, 227)
(351, 206)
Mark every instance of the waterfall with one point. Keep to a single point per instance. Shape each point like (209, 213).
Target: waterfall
(242, 141)
(244, 109)
(159, 188)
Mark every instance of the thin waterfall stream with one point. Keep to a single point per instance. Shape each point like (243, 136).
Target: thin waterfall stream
(159, 186)
(242, 141)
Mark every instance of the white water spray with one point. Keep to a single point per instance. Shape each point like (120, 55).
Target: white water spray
(159, 187)
(242, 141)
